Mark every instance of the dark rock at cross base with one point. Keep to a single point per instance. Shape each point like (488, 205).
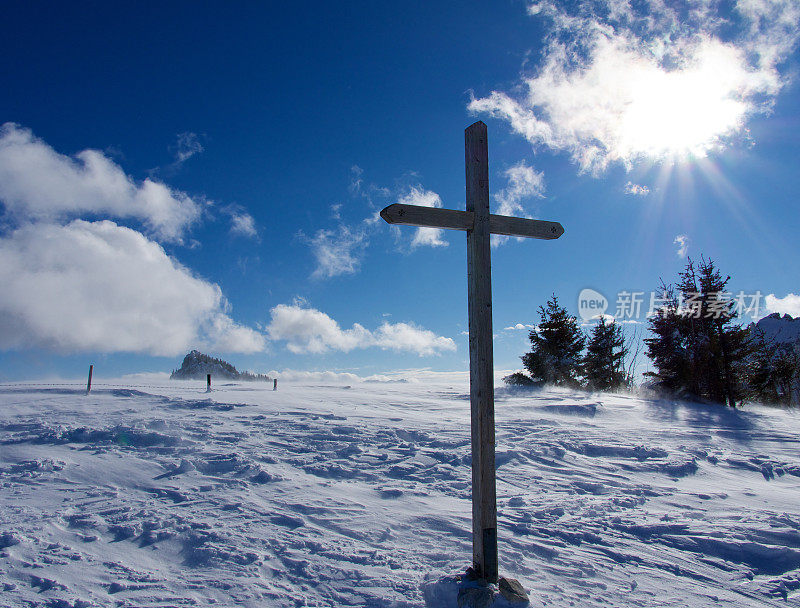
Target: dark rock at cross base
(475, 597)
(473, 576)
(511, 589)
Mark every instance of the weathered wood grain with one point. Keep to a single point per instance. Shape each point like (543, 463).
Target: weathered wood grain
(433, 217)
(520, 226)
(452, 219)
(481, 363)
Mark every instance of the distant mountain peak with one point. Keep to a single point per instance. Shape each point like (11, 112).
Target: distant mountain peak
(783, 329)
(783, 317)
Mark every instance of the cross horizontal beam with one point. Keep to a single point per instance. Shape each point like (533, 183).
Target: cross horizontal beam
(453, 219)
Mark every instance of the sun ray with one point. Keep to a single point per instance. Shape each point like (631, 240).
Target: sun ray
(753, 227)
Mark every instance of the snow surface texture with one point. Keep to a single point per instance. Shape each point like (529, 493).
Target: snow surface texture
(359, 495)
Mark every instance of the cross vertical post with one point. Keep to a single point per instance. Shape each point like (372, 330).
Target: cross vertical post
(481, 360)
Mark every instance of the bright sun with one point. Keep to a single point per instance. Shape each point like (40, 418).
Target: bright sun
(684, 112)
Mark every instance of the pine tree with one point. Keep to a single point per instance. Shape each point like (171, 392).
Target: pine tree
(604, 361)
(518, 379)
(786, 374)
(556, 346)
(728, 343)
(760, 369)
(773, 371)
(667, 349)
(697, 347)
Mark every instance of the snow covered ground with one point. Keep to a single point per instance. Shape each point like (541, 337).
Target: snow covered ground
(355, 495)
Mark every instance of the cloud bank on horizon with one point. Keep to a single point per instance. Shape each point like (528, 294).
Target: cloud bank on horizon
(619, 81)
(307, 330)
(98, 286)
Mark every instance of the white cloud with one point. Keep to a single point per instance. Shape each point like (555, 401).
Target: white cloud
(141, 377)
(409, 337)
(337, 252)
(370, 192)
(636, 189)
(341, 250)
(594, 320)
(293, 375)
(787, 305)
(523, 182)
(97, 286)
(187, 145)
(307, 330)
(243, 224)
(219, 332)
(518, 327)
(682, 241)
(622, 81)
(356, 180)
(38, 183)
(424, 237)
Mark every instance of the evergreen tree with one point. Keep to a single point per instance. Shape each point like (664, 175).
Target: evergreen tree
(667, 349)
(556, 346)
(728, 344)
(760, 374)
(773, 371)
(697, 347)
(604, 361)
(786, 374)
(518, 379)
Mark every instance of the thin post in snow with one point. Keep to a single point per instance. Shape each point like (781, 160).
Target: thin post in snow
(208, 383)
(89, 382)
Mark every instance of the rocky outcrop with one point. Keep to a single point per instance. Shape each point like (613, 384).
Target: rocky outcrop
(197, 365)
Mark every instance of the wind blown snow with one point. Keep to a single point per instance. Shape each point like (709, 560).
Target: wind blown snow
(359, 495)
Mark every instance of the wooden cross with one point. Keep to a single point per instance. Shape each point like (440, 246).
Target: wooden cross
(479, 224)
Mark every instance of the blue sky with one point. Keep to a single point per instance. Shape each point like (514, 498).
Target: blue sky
(207, 176)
